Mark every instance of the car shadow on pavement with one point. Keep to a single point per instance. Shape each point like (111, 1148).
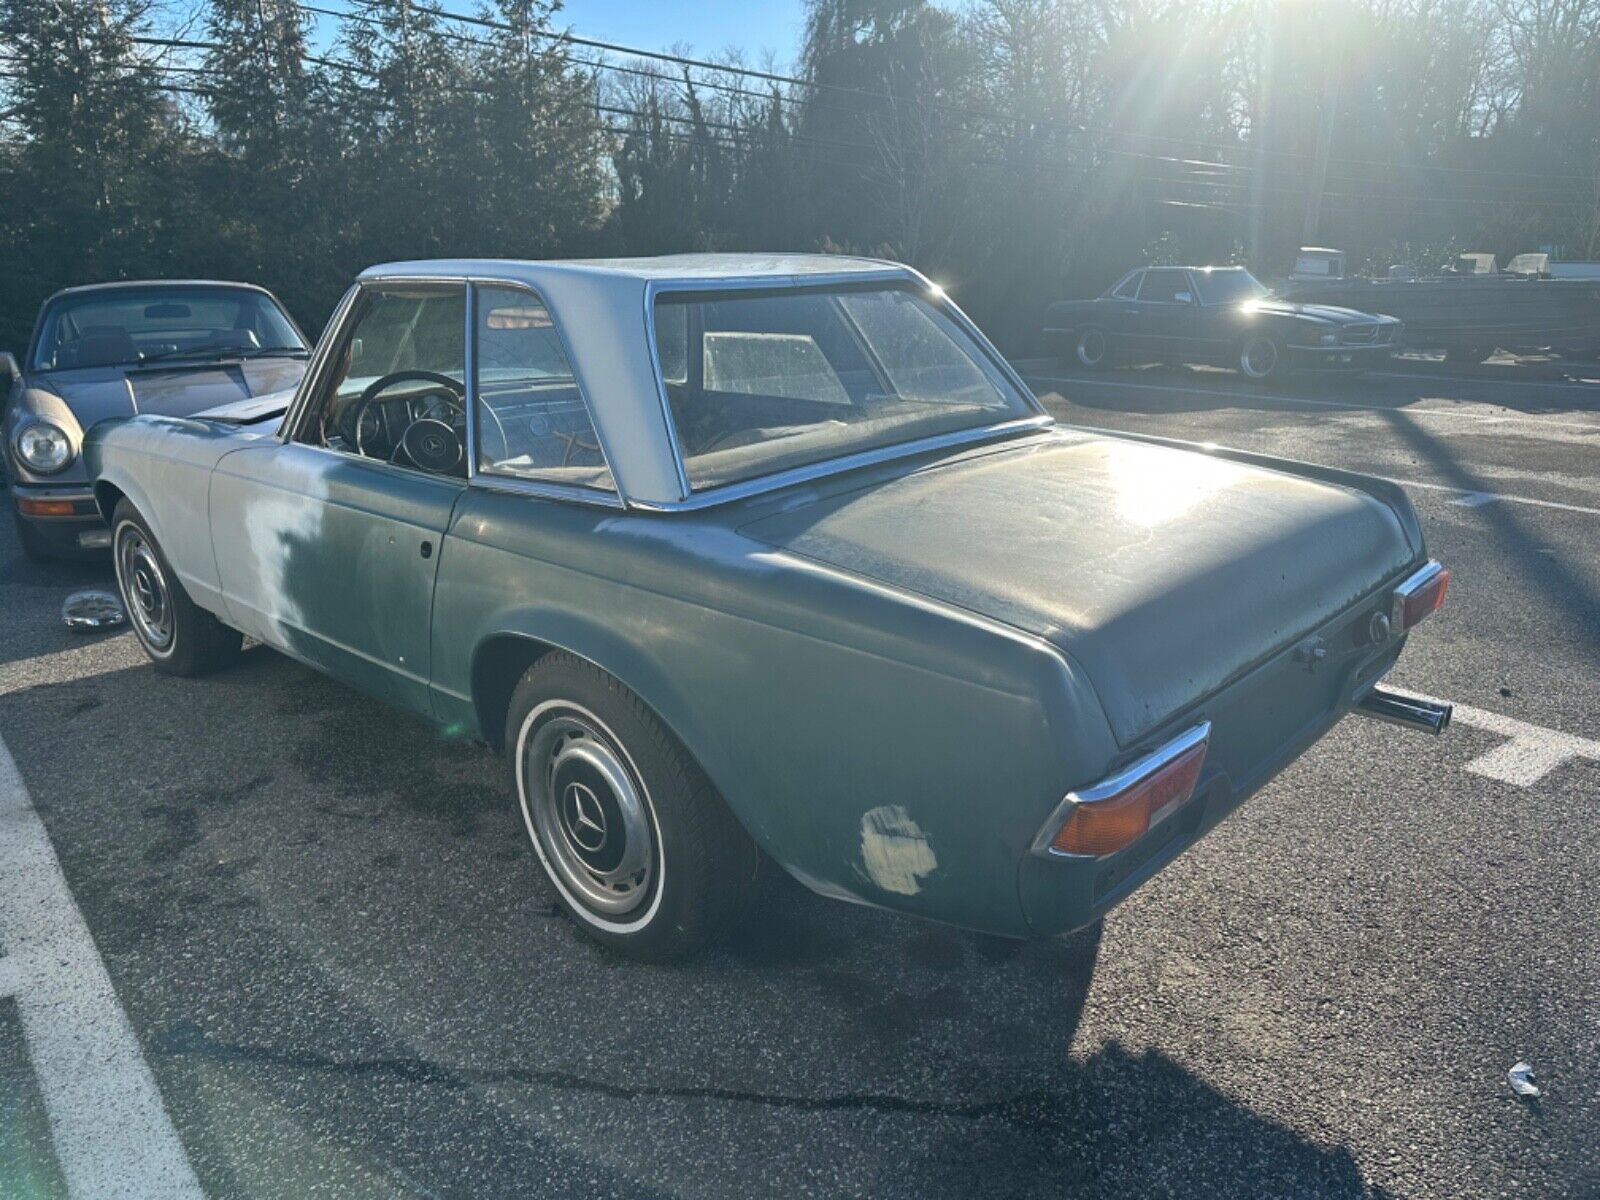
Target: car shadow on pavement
(339, 953)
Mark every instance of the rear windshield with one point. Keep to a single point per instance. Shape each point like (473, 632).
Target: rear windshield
(760, 382)
(129, 326)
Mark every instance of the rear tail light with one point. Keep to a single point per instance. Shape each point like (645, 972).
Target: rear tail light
(1420, 596)
(1112, 814)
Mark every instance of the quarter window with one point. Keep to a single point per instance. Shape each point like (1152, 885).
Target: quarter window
(1165, 287)
(1129, 287)
(532, 420)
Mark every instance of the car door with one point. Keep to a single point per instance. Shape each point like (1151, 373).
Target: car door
(1166, 314)
(327, 538)
(1120, 312)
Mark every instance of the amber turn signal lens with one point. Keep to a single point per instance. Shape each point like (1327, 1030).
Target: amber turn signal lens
(45, 508)
(1100, 827)
(1426, 600)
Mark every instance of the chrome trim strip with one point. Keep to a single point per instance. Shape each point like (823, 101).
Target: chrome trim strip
(1408, 587)
(838, 466)
(891, 274)
(491, 482)
(1113, 785)
(469, 379)
(317, 365)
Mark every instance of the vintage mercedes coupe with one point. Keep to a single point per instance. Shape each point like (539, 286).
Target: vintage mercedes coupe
(745, 558)
(1218, 315)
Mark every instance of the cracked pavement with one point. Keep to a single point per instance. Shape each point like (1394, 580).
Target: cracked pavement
(349, 978)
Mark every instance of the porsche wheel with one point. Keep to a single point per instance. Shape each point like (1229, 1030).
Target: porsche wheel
(180, 637)
(641, 851)
(1094, 349)
(1259, 359)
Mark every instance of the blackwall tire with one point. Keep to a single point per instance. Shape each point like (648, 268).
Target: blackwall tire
(639, 848)
(180, 637)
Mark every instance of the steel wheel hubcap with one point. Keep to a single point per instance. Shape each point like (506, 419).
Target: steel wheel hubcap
(589, 814)
(1260, 357)
(144, 586)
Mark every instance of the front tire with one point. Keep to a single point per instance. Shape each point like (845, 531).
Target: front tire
(180, 637)
(1093, 349)
(641, 851)
(1260, 359)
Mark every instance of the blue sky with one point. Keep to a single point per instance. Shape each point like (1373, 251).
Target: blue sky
(707, 26)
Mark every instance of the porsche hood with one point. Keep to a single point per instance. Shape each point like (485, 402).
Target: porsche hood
(1162, 572)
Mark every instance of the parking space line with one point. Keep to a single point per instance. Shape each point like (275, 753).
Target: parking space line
(1530, 752)
(110, 1129)
(1471, 499)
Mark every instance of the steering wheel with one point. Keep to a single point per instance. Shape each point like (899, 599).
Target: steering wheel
(433, 440)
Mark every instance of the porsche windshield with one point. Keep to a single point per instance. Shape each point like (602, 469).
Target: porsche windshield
(1233, 285)
(760, 382)
(127, 326)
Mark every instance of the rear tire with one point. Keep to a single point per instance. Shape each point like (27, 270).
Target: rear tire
(1260, 359)
(180, 637)
(1093, 349)
(643, 854)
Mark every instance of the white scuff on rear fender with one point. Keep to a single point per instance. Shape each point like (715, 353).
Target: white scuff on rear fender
(895, 853)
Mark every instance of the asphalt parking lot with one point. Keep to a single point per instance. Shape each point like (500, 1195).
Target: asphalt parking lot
(297, 946)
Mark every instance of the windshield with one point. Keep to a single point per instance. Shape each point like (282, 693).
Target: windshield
(1228, 287)
(769, 381)
(128, 326)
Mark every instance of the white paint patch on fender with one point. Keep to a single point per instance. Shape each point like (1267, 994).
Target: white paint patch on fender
(894, 851)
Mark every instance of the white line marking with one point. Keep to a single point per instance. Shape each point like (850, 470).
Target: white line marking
(1341, 405)
(111, 1131)
(1531, 752)
(1470, 500)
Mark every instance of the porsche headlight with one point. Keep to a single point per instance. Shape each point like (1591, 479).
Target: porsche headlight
(44, 447)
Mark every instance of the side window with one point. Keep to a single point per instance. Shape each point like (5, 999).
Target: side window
(1165, 287)
(532, 420)
(1129, 287)
(398, 387)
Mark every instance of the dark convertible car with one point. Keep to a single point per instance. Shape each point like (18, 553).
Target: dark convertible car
(1220, 315)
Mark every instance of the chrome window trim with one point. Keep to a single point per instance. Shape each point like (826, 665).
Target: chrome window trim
(612, 497)
(1113, 785)
(1408, 587)
(1111, 292)
(317, 367)
(690, 500)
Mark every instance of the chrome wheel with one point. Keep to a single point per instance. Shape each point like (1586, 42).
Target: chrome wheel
(1259, 358)
(588, 814)
(144, 589)
(1092, 348)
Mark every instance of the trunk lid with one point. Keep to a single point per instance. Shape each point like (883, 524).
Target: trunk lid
(1162, 572)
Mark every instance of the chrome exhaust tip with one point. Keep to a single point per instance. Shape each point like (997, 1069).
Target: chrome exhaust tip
(1427, 715)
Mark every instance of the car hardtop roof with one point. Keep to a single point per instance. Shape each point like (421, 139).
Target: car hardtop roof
(113, 285)
(1227, 267)
(708, 269)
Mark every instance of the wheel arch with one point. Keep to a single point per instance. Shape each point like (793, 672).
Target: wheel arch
(500, 660)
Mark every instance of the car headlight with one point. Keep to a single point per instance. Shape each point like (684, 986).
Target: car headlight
(44, 447)
(1330, 339)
